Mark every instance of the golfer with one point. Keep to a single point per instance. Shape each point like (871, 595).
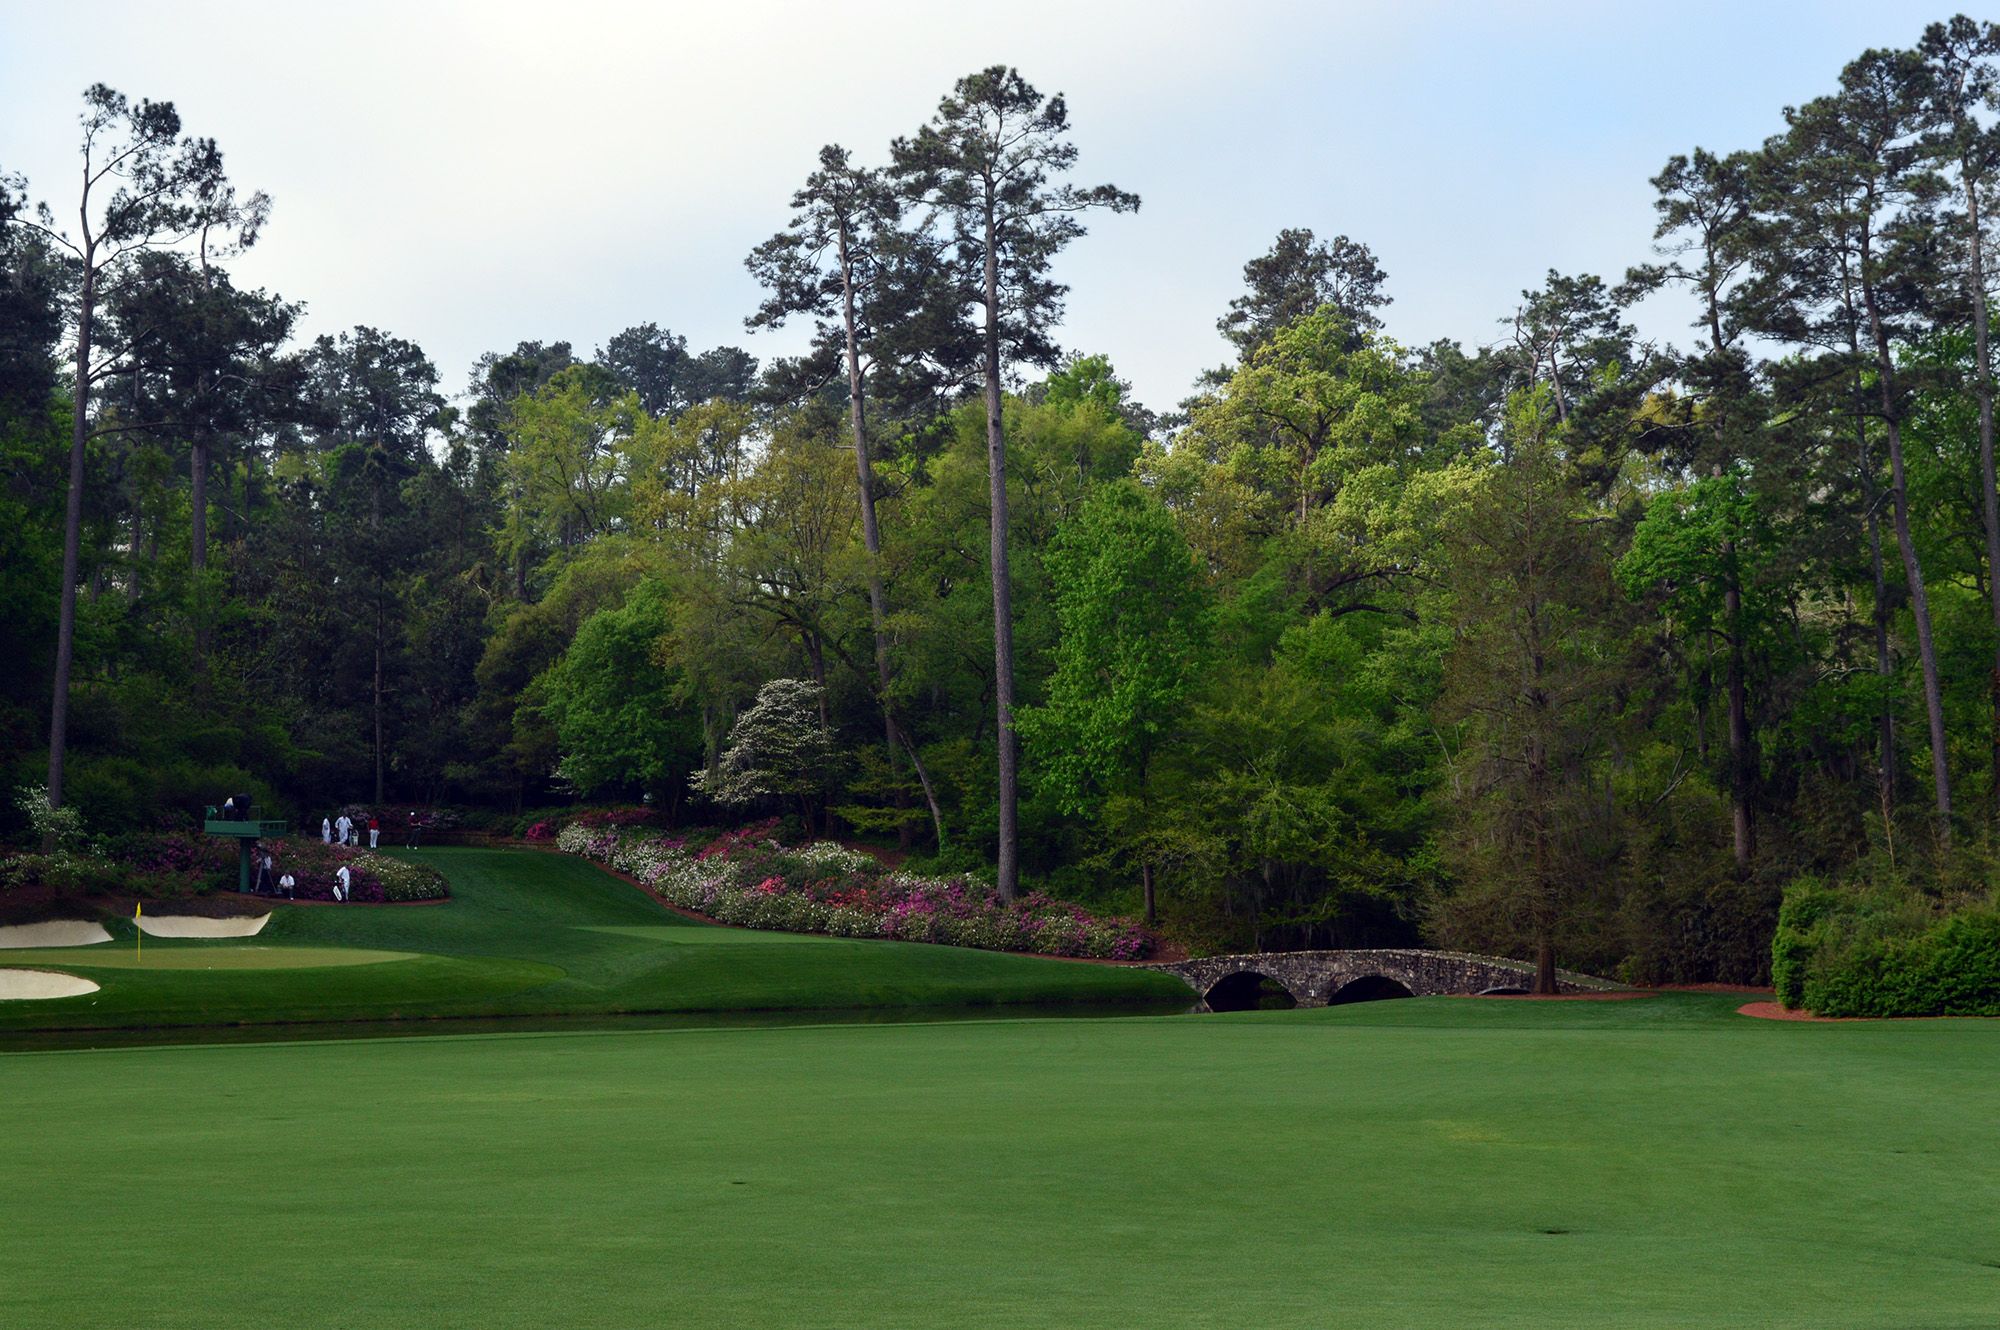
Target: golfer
(416, 829)
(374, 832)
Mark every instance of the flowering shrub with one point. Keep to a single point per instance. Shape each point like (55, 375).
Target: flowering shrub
(542, 831)
(744, 877)
(60, 828)
(576, 838)
(179, 864)
(374, 878)
(400, 880)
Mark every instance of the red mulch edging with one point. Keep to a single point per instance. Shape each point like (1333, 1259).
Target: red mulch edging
(1771, 1011)
(1774, 1011)
(1615, 995)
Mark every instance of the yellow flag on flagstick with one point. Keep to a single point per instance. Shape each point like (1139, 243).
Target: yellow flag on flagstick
(138, 930)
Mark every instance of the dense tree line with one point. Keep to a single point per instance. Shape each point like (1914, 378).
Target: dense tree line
(1564, 644)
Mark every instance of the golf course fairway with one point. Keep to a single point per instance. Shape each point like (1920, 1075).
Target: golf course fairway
(1653, 1163)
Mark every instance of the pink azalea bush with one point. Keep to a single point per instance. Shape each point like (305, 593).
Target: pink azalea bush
(744, 877)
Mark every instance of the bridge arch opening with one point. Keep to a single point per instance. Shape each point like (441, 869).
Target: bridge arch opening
(1368, 988)
(1248, 990)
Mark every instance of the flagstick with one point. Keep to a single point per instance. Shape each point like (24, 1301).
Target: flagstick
(138, 907)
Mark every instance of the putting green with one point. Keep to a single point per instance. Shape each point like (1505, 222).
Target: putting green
(218, 958)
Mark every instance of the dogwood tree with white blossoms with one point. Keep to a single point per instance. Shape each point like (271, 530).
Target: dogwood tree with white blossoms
(780, 746)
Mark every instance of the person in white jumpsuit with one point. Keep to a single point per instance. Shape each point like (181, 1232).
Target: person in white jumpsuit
(344, 826)
(341, 883)
(325, 831)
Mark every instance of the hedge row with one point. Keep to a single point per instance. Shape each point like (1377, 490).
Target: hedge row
(1842, 953)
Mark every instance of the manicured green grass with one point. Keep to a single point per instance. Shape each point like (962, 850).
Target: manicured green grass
(528, 934)
(1652, 1163)
(223, 956)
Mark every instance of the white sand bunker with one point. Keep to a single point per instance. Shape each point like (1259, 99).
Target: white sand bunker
(53, 933)
(19, 984)
(190, 925)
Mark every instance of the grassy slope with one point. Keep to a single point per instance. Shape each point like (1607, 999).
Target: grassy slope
(541, 934)
(1396, 1164)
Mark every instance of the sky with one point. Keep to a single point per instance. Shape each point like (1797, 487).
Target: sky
(470, 175)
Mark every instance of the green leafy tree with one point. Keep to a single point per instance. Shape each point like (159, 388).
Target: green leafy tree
(845, 259)
(1846, 171)
(1134, 613)
(619, 715)
(989, 164)
(1572, 337)
(1300, 274)
(146, 188)
(1962, 87)
(654, 363)
(377, 403)
(1529, 686)
(204, 369)
(1707, 223)
(568, 445)
(1710, 555)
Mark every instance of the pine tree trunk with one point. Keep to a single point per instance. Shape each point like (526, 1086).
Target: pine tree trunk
(132, 587)
(1008, 876)
(1885, 758)
(198, 506)
(198, 546)
(871, 538)
(1982, 377)
(1545, 968)
(1926, 645)
(375, 528)
(924, 781)
(1741, 773)
(864, 476)
(378, 705)
(72, 537)
(1885, 383)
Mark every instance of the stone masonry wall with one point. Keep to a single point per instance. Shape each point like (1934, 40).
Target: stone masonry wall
(1313, 977)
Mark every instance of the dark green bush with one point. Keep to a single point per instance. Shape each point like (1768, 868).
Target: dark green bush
(1950, 969)
(1885, 951)
(1697, 930)
(1803, 929)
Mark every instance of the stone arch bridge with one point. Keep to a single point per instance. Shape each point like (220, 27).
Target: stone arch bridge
(1327, 978)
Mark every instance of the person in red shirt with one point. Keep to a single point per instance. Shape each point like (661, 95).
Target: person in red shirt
(374, 831)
